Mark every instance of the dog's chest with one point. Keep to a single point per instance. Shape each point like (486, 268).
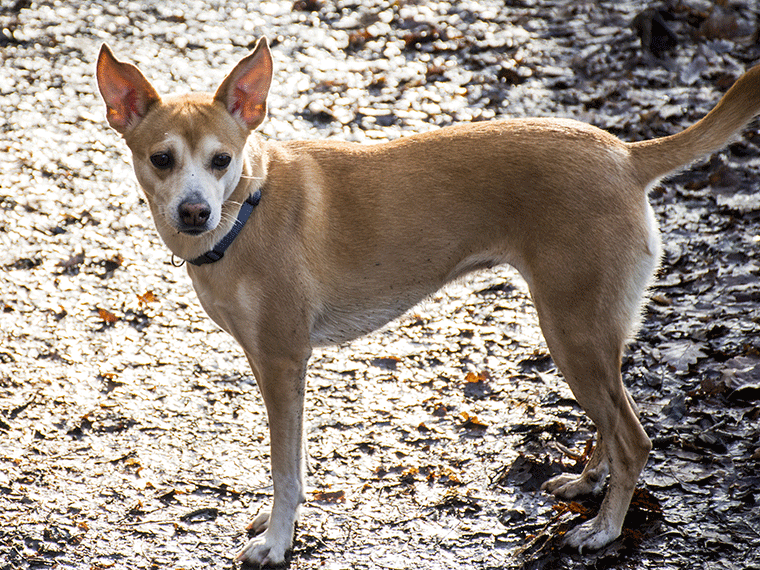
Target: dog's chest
(336, 325)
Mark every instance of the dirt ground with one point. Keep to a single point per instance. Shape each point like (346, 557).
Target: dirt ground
(132, 434)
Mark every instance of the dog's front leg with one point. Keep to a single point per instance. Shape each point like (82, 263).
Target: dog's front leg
(282, 385)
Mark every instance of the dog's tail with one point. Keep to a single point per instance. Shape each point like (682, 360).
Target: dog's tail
(657, 157)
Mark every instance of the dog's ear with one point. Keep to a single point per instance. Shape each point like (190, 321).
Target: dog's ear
(244, 91)
(128, 95)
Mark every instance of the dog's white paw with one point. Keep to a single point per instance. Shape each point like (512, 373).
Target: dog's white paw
(591, 535)
(259, 524)
(265, 550)
(569, 486)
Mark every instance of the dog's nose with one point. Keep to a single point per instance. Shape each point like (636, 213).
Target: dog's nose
(194, 214)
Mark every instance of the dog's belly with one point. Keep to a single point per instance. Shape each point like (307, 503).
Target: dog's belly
(343, 321)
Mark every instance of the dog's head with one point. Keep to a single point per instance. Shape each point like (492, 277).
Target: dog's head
(188, 151)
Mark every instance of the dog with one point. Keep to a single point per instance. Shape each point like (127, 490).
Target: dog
(292, 245)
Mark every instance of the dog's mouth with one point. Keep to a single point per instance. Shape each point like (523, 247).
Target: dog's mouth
(192, 231)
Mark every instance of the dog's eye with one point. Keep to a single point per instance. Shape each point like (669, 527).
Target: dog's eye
(162, 160)
(221, 161)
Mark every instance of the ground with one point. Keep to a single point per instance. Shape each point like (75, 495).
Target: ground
(133, 435)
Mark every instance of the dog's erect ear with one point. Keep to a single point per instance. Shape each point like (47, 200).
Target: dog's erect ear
(128, 95)
(244, 91)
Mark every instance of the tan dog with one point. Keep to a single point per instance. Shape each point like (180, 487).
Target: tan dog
(347, 237)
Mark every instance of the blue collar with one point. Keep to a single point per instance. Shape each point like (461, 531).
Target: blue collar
(217, 252)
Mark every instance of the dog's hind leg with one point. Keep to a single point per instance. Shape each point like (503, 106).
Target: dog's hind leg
(591, 366)
(586, 315)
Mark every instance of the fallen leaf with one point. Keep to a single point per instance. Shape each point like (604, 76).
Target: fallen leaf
(107, 316)
(144, 299)
(682, 354)
(477, 386)
(409, 475)
(329, 496)
(472, 422)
